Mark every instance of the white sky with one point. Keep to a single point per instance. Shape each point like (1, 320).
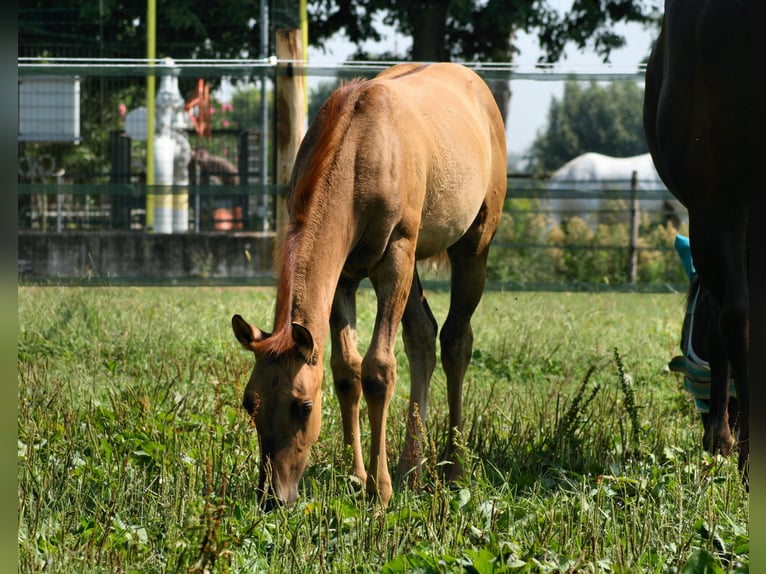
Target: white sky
(530, 99)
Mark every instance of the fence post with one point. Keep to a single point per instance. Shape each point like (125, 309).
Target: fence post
(120, 174)
(291, 114)
(634, 217)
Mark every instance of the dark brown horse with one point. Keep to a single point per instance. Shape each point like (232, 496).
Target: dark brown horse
(393, 170)
(704, 121)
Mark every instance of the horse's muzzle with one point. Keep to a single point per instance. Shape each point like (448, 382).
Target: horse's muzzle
(273, 491)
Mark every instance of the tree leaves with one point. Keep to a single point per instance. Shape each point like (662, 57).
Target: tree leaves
(591, 118)
(474, 30)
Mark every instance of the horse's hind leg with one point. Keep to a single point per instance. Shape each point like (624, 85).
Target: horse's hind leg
(717, 436)
(419, 334)
(718, 243)
(456, 338)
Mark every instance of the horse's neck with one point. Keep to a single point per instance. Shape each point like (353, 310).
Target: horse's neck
(316, 245)
(312, 264)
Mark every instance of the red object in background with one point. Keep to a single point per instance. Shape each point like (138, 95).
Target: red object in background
(201, 101)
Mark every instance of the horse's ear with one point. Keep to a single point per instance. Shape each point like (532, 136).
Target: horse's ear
(305, 343)
(246, 334)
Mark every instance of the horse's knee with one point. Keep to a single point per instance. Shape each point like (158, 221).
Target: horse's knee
(376, 389)
(456, 342)
(420, 347)
(346, 379)
(348, 389)
(378, 377)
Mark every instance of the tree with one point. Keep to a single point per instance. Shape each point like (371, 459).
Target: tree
(117, 29)
(462, 30)
(474, 30)
(478, 30)
(591, 118)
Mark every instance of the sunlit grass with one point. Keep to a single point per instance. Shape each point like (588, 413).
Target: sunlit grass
(135, 455)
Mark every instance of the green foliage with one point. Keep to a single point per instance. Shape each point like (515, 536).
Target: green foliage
(466, 29)
(245, 109)
(473, 30)
(109, 29)
(134, 453)
(528, 249)
(599, 118)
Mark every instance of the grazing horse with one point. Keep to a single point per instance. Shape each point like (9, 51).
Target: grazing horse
(704, 122)
(399, 168)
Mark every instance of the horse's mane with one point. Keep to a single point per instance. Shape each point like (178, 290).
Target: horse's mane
(335, 117)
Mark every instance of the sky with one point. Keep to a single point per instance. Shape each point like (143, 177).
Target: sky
(530, 99)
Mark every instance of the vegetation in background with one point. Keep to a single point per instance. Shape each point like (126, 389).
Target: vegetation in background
(582, 451)
(474, 30)
(603, 118)
(528, 249)
(465, 30)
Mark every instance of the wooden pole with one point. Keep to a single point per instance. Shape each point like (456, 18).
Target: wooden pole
(634, 217)
(304, 18)
(291, 113)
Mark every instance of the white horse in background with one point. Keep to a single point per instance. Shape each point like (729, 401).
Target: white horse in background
(593, 172)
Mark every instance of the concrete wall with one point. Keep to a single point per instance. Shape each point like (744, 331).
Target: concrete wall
(139, 255)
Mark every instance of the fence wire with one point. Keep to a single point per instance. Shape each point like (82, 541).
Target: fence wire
(98, 185)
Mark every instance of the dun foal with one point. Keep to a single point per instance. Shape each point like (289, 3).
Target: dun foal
(393, 170)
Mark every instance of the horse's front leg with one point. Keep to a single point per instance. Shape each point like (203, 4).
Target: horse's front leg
(392, 280)
(346, 364)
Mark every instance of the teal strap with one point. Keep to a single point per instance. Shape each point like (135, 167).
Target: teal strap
(685, 253)
(697, 381)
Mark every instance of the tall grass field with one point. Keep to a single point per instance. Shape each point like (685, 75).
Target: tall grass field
(582, 452)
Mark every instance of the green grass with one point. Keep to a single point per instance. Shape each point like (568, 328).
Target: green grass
(582, 452)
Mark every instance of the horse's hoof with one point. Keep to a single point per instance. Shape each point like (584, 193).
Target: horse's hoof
(356, 483)
(723, 444)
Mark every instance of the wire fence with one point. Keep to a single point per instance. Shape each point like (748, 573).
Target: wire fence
(90, 176)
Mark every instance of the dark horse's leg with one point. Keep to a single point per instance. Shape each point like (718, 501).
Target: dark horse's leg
(719, 243)
(419, 330)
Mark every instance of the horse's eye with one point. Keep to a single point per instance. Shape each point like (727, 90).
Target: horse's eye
(303, 409)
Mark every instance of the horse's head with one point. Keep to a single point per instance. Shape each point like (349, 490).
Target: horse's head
(284, 398)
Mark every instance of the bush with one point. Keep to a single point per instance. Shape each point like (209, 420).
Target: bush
(529, 248)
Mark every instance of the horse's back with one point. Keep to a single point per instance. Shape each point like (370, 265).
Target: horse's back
(444, 119)
(446, 101)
